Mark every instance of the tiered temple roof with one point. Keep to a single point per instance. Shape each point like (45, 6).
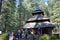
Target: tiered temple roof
(38, 20)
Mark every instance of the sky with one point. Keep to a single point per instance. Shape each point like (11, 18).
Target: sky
(17, 2)
(46, 3)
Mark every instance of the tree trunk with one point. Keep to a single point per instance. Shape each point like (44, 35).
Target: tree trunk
(0, 5)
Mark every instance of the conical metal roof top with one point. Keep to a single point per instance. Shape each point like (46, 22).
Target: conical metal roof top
(38, 11)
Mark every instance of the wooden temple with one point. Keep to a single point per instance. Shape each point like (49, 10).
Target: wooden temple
(39, 21)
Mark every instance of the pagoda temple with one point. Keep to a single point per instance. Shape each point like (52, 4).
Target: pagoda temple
(39, 21)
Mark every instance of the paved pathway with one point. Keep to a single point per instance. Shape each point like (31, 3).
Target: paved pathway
(1, 39)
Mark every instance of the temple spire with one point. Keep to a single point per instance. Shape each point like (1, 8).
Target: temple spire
(38, 11)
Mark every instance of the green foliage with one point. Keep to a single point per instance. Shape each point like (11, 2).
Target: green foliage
(3, 36)
(53, 37)
(43, 37)
(8, 15)
(54, 11)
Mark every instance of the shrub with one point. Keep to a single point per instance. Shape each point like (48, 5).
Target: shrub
(53, 37)
(43, 37)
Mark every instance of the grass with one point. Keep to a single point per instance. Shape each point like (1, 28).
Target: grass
(3, 36)
(58, 39)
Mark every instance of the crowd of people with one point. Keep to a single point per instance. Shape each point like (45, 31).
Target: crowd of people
(23, 34)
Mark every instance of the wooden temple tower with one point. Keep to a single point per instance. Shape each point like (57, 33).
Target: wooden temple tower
(39, 21)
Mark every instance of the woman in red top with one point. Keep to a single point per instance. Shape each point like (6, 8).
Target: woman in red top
(11, 36)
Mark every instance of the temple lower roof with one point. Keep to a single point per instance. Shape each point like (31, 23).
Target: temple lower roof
(39, 25)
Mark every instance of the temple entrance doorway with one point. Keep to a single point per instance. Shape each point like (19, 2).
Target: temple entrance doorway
(46, 30)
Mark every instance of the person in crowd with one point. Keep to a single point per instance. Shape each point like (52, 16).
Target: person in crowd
(32, 34)
(29, 36)
(38, 34)
(26, 33)
(11, 37)
(38, 31)
(7, 35)
(23, 34)
(18, 35)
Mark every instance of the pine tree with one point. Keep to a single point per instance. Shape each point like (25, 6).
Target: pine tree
(8, 10)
